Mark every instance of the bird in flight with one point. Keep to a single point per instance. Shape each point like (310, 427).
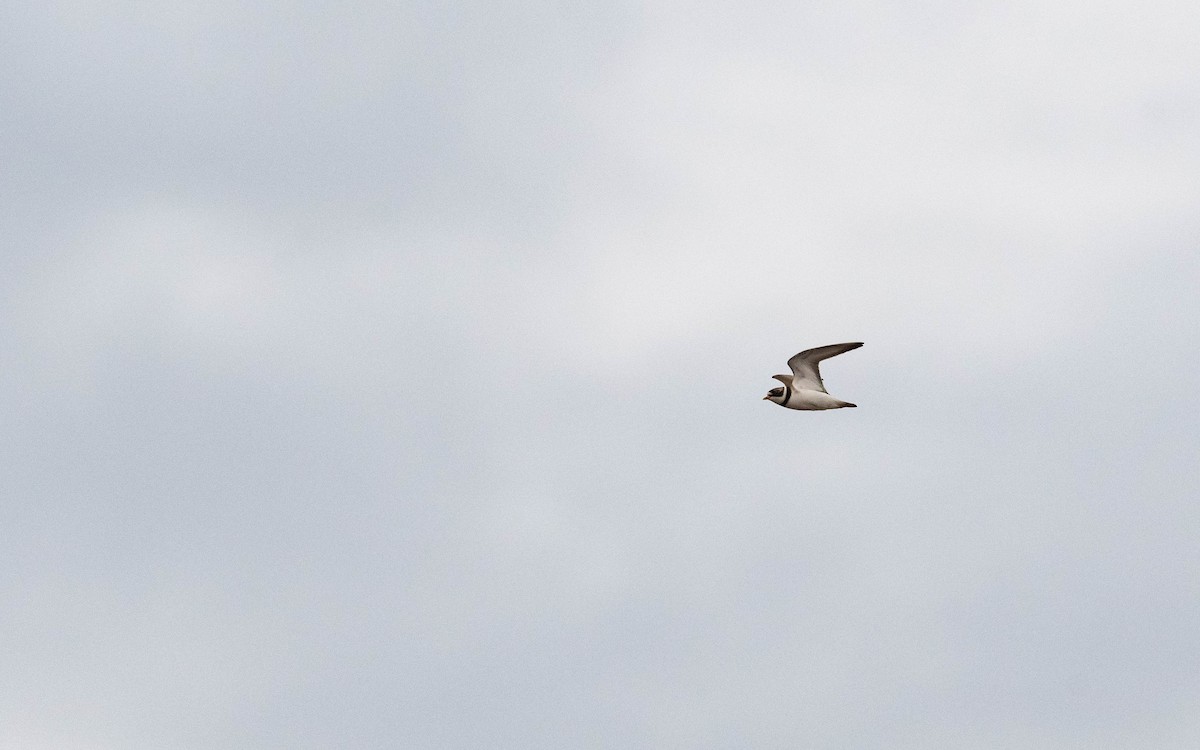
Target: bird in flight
(803, 389)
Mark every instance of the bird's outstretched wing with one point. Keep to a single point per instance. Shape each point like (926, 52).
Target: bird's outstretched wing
(804, 365)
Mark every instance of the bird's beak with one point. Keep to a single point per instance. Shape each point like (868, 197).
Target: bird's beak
(766, 398)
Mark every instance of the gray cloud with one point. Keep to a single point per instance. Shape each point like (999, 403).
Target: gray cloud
(391, 377)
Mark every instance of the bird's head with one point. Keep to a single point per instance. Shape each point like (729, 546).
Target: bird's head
(775, 394)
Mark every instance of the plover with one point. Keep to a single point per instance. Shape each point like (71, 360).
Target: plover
(803, 389)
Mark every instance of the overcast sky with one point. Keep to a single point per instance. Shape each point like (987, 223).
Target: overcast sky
(389, 375)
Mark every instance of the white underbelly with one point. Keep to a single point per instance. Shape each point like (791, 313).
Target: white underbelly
(812, 400)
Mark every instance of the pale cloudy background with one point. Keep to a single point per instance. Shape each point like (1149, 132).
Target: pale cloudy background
(388, 375)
